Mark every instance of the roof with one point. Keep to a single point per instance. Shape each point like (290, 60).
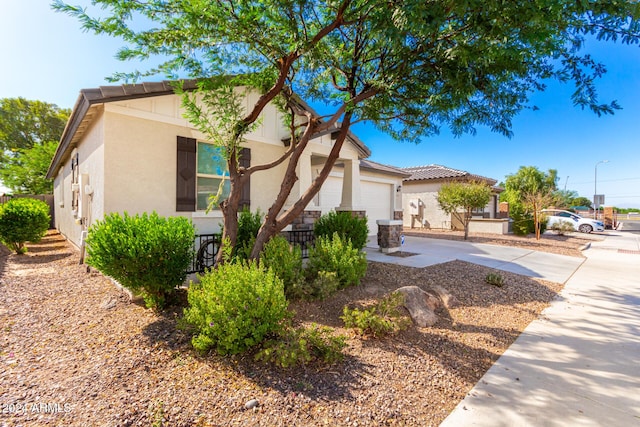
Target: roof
(84, 109)
(379, 167)
(428, 172)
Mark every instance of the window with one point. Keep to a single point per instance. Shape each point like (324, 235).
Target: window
(200, 169)
(211, 172)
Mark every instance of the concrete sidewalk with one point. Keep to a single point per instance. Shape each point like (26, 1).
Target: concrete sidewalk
(579, 363)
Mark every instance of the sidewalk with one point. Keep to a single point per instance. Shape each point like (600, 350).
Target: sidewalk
(579, 363)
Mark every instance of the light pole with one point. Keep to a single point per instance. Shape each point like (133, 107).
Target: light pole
(595, 187)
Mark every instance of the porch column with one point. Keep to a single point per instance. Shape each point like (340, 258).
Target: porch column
(351, 200)
(304, 174)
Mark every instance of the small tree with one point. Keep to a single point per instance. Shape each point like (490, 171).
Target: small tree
(460, 199)
(528, 191)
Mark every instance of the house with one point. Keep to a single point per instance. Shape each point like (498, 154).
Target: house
(129, 148)
(420, 204)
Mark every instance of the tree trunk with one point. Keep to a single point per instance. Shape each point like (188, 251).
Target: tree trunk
(274, 224)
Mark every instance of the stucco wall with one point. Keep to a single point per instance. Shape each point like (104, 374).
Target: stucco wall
(138, 162)
(431, 212)
(427, 192)
(90, 156)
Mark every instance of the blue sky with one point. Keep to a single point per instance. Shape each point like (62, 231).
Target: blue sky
(46, 56)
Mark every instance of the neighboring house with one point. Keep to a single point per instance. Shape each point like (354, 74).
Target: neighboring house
(420, 193)
(128, 148)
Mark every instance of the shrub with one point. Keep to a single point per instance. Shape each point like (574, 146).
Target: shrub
(286, 262)
(234, 307)
(346, 225)
(147, 254)
(524, 224)
(248, 226)
(23, 220)
(301, 346)
(382, 319)
(337, 255)
(495, 279)
(562, 227)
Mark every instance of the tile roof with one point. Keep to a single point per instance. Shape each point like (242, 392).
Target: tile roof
(82, 113)
(379, 167)
(420, 173)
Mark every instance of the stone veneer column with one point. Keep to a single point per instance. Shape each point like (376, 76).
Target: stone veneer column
(398, 215)
(306, 220)
(389, 235)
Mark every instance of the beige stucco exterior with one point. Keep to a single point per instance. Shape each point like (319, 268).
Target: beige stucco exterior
(128, 150)
(426, 193)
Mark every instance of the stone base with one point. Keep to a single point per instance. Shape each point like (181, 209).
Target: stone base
(389, 235)
(306, 220)
(354, 212)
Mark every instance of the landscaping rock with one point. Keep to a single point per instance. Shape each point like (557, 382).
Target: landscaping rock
(421, 305)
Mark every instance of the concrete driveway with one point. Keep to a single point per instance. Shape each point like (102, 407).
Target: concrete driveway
(556, 268)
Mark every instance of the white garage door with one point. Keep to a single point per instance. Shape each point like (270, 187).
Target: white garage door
(376, 198)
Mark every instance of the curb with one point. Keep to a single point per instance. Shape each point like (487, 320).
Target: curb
(585, 246)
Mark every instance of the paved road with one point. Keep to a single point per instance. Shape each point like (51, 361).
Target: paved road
(632, 226)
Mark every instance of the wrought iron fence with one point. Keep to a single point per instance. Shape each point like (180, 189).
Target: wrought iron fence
(206, 247)
(302, 238)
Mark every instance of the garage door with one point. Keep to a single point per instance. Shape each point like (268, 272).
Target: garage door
(376, 198)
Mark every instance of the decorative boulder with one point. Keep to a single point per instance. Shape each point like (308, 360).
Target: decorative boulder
(421, 305)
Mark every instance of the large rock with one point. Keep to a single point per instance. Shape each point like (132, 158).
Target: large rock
(421, 305)
(448, 300)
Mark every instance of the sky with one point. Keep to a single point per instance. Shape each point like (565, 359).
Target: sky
(46, 56)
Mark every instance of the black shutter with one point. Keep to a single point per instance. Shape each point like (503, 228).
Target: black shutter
(245, 195)
(186, 175)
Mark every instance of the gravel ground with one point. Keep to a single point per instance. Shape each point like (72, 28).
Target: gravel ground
(74, 351)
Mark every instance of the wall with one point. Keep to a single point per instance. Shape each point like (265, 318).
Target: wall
(138, 162)
(427, 192)
(91, 161)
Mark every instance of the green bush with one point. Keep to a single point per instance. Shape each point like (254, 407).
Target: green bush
(248, 226)
(524, 225)
(562, 227)
(23, 220)
(382, 319)
(301, 346)
(147, 254)
(286, 262)
(234, 307)
(346, 225)
(337, 255)
(495, 279)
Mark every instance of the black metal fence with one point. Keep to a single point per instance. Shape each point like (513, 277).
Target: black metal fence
(302, 238)
(206, 248)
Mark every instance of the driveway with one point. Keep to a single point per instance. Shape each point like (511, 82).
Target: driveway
(556, 268)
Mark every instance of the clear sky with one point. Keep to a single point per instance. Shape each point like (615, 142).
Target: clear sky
(46, 56)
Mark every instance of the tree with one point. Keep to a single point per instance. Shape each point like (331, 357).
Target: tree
(409, 67)
(29, 133)
(460, 199)
(26, 172)
(528, 191)
(581, 201)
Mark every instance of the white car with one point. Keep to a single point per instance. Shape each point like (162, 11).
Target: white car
(583, 225)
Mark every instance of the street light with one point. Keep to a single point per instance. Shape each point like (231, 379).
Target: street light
(595, 187)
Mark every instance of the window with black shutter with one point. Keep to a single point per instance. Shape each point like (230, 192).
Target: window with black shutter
(202, 172)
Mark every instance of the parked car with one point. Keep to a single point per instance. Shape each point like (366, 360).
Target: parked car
(583, 225)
